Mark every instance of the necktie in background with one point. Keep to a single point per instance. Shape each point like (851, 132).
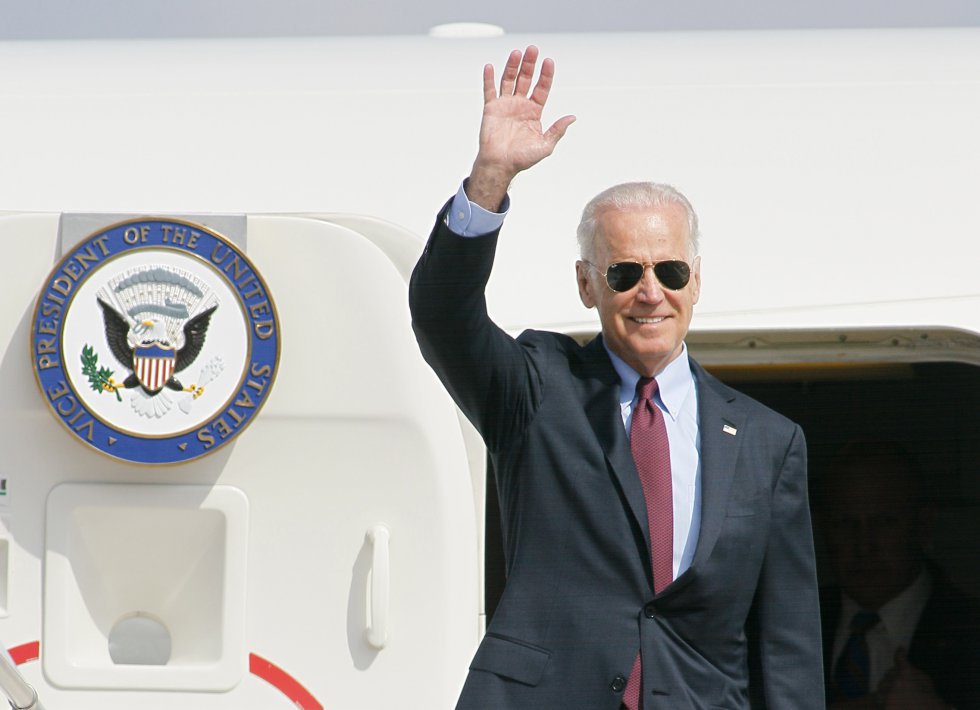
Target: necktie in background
(651, 453)
(853, 669)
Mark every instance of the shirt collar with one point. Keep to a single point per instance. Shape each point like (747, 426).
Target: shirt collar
(899, 615)
(674, 382)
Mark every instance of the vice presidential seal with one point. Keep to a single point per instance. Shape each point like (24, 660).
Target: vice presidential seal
(155, 341)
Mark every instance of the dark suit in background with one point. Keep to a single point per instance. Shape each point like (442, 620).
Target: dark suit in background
(945, 645)
(877, 519)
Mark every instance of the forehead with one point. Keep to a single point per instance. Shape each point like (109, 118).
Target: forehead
(649, 233)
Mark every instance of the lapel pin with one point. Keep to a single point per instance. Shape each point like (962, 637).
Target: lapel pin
(729, 429)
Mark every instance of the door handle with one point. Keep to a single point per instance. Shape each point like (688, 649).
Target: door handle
(378, 603)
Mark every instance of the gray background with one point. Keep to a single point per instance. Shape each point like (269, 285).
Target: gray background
(68, 19)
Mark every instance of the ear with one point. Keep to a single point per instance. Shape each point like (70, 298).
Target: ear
(585, 291)
(696, 279)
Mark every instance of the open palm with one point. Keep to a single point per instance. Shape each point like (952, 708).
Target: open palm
(512, 138)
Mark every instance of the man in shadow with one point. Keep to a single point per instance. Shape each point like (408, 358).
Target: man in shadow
(896, 634)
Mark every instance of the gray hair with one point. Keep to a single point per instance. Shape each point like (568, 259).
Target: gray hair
(634, 196)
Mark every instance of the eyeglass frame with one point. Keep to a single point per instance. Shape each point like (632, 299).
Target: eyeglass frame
(651, 264)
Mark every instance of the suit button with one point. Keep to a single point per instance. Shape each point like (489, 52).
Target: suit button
(650, 610)
(618, 684)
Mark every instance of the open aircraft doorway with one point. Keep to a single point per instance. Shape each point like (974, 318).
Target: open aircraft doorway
(917, 389)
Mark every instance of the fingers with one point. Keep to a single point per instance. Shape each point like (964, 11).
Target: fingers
(545, 80)
(508, 80)
(526, 74)
(518, 76)
(489, 90)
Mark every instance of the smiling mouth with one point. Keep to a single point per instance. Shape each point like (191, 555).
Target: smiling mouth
(648, 321)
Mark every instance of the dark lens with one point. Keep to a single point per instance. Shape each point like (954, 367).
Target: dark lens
(624, 275)
(672, 274)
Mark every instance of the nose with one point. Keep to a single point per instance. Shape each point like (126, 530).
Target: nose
(649, 289)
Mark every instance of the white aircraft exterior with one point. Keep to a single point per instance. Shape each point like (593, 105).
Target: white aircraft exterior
(331, 554)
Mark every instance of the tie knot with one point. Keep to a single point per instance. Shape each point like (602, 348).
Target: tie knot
(646, 388)
(863, 622)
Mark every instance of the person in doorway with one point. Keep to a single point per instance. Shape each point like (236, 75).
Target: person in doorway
(897, 635)
(654, 520)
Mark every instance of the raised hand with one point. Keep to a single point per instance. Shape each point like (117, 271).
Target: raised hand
(512, 138)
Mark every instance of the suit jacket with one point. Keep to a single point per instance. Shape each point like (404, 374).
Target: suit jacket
(578, 601)
(945, 645)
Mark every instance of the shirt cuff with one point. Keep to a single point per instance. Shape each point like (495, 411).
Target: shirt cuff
(468, 219)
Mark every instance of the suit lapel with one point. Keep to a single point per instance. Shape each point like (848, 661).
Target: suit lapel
(601, 397)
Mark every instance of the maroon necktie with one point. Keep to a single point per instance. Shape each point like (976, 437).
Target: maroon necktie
(651, 453)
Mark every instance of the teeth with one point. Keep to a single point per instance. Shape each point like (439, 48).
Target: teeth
(645, 321)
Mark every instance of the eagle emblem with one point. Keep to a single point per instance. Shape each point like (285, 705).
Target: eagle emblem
(156, 321)
(146, 348)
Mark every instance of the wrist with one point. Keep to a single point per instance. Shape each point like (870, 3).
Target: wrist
(487, 185)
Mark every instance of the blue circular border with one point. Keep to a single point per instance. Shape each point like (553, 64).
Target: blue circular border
(47, 327)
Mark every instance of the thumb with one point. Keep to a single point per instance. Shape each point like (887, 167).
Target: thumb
(558, 128)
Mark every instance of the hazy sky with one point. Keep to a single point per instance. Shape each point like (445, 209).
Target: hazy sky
(62, 19)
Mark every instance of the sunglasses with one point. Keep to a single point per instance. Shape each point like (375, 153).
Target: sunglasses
(624, 275)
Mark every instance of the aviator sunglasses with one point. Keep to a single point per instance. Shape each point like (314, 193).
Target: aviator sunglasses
(624, 275)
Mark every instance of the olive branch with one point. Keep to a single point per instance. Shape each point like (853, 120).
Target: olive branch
(99, 377)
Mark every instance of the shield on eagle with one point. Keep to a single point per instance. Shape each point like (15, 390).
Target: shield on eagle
(154, 364)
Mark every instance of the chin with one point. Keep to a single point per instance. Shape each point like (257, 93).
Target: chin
(660, 355)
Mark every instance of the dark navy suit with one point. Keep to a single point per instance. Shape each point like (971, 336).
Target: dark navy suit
(579, 602)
